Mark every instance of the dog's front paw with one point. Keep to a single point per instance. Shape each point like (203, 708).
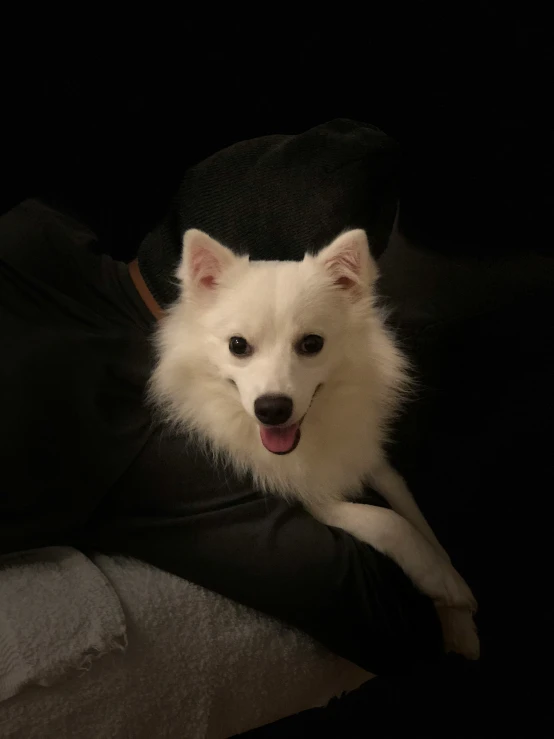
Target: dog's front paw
(459, 632)
(448, 588)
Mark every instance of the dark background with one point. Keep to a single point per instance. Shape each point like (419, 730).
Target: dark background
(109, 124)
(106, 129)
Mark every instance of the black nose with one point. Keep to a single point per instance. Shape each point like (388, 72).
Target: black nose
(273, 409)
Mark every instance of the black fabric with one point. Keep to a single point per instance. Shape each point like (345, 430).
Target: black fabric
(73, 346)
(82, 462)
(419, 703)
(277, 197)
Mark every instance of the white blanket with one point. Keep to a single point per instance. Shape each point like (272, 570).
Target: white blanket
(57, 613)
(196, 665)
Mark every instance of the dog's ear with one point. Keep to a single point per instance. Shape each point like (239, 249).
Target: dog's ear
(349, 261)
(204, 260)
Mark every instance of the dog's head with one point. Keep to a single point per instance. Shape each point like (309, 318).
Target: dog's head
(277, 331)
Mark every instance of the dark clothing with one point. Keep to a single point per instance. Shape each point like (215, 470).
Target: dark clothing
(85, 464)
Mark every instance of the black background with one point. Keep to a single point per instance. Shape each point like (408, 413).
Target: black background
(109, 121)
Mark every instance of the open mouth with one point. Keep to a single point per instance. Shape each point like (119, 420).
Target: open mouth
(283, 439)
(280, 439)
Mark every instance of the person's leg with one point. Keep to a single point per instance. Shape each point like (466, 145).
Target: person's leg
(281, 561)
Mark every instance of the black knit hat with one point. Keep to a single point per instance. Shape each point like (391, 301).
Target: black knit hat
(277, 197)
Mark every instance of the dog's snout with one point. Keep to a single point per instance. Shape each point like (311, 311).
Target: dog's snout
(273, 409)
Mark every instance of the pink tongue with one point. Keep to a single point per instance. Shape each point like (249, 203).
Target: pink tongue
(279, 439)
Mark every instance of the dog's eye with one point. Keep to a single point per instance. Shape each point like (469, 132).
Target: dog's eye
(310, 344)
(239, 346)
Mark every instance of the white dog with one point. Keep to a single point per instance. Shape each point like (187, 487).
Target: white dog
(286, 371)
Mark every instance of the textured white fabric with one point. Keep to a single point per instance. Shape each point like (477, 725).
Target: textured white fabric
(197, 666)
(58, 612)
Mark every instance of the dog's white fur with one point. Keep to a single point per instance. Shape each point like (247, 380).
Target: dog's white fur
(359, 375)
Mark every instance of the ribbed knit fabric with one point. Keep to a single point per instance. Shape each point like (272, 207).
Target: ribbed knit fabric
(277, 197)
